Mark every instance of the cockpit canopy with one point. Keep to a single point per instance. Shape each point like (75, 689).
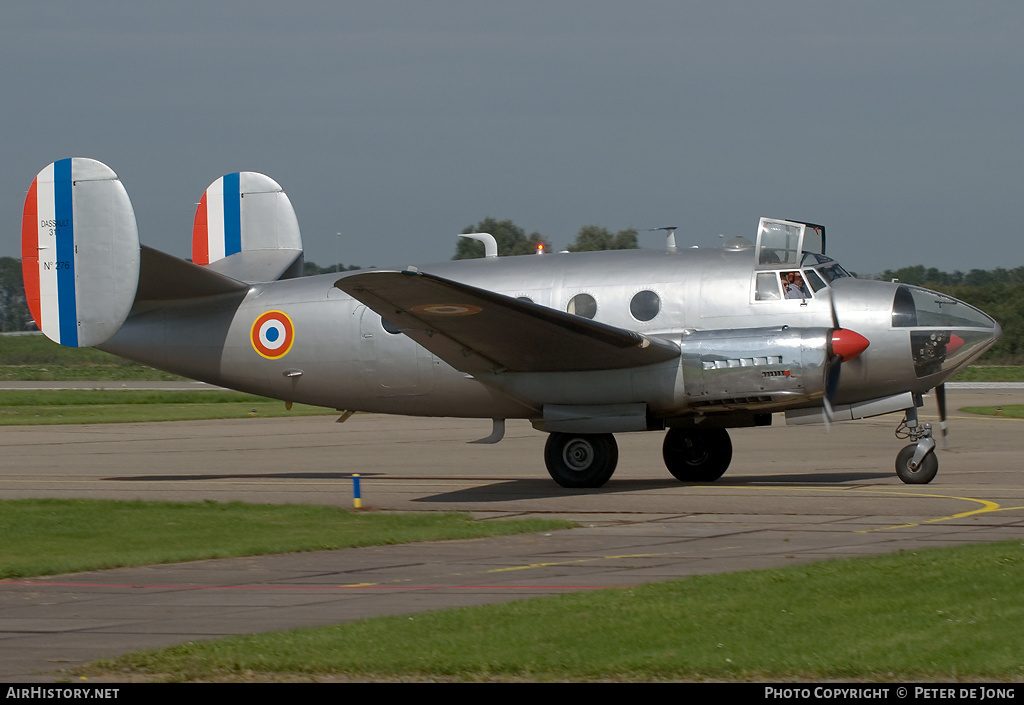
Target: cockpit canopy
(784, 242)
(791, 261)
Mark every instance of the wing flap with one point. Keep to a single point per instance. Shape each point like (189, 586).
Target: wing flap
(475, 330)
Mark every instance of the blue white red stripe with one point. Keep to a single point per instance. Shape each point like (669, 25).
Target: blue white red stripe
(48, 253)
(217, 229)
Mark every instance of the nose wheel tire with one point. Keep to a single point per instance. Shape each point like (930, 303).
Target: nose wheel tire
(697, 456)
(923, 473)
(578, 460)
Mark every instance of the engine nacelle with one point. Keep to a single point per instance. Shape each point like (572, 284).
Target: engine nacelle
(754, 368)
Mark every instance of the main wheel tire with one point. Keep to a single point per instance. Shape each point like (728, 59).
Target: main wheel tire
(697, 456)
(581, 459)
(924, 473)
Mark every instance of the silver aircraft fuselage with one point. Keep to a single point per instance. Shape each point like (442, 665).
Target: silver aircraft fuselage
(740, 350)
(584, 345)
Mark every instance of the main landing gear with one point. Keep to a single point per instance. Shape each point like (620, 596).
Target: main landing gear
(587, 460)
(916, 464)
(697, 456)
(581, 460)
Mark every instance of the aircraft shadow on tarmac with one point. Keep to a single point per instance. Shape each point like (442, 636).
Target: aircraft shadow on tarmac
(512, 490)
(536, 488)
(243, 476)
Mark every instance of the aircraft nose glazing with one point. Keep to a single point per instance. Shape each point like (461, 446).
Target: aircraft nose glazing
(945, 333)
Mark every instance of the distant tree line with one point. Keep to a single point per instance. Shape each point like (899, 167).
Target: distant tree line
(311, 268)
(932, 278)
(14, 315)
(513, 240)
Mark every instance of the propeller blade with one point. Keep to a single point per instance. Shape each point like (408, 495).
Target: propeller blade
(832, 306)
(832, 366)
(832, 377)
(940, 399)
(831, 384)
(843, 345)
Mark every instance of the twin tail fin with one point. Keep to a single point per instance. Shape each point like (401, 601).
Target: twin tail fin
(84, 268)
(79, 252)
(245, 227)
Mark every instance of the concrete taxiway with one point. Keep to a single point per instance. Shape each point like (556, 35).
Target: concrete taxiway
(792, 495)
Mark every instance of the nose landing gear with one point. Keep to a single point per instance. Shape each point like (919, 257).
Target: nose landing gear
(916, 464)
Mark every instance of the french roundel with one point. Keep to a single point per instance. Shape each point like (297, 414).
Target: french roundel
(273, 334)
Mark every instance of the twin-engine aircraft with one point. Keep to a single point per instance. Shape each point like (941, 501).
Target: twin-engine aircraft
(583, 345)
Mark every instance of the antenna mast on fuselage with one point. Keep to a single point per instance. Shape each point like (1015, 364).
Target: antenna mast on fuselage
(670, 236)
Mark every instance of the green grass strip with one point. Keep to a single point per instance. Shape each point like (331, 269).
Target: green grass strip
(934, 615)
(74, 406)
(34, 357)
(84, 373)
(993, 373)
(1014, 411)
(51, 536)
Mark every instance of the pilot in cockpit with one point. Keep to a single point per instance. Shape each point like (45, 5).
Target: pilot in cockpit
(793, 285)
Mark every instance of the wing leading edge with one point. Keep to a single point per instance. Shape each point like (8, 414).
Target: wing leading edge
(478, 331)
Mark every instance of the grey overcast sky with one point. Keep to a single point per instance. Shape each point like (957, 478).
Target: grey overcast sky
(898, 125)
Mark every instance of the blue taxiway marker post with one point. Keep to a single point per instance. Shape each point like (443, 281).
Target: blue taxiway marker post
(357, 499)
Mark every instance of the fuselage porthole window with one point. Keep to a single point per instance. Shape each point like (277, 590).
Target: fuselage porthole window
(645, 305)
(582, 305)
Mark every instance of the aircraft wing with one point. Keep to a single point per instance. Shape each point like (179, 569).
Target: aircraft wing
(475, 330)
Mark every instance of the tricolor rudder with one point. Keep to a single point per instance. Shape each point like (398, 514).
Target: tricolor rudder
(243, 212)
(80, 252)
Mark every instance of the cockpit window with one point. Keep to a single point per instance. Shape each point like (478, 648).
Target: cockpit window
(813, 259)
(833, 271)
(813, 280)
(793, 286)
(814, 238)
(767, 287)
(787, 284)
(779, 242)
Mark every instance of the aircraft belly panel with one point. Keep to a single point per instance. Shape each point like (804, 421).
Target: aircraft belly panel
(657, 386)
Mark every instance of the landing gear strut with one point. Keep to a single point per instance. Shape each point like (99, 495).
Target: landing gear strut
(581, 459)
(697, 456)
(916, 464)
